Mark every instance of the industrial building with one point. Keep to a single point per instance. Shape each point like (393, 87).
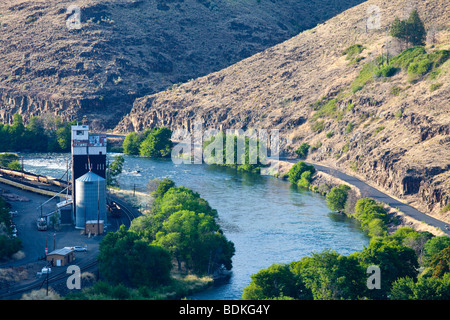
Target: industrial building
(88, 176)
(90, 202)
(60, 257)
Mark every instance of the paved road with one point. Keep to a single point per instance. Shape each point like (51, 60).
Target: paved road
(368, 191)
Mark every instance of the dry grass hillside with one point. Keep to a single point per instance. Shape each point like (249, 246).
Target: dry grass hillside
(392, 131)
(130, 48)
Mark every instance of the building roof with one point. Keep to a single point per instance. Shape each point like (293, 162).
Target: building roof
(61, 252)
(64, 203)
(95, 221)
(90, 177)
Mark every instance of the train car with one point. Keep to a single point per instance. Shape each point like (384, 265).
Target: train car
(114, 209)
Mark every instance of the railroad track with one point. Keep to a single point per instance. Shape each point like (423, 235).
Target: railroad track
(40, 283)
(128, 213)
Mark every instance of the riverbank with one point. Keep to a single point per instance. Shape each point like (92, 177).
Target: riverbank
(402, 213)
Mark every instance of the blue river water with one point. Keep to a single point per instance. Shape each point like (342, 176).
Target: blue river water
(268, 220)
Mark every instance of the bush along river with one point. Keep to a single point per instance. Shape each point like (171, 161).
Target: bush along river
(268, 220)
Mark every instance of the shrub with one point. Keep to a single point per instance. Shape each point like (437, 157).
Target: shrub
(349, 127)
(420, 67)
(327, 109)
(318, 126)
(386, 71)
(295, 173)
(337, 197)
(404, 59)
(365, 76)
(353, 51)
(435, 86)
(305, 179)
(379, 129)
(373, 217)
(330, 134)
(303, 150)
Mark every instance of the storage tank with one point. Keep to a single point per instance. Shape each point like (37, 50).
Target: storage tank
(91, 199)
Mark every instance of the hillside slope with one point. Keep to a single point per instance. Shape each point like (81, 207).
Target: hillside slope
(129, 48)
(392, 131)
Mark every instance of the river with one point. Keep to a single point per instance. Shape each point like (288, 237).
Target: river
(268, 220)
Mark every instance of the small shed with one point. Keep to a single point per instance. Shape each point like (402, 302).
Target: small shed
(65, 212)
(60, 257)
(95, 227)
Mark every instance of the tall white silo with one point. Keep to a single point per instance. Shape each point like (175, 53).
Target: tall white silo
(90, 200)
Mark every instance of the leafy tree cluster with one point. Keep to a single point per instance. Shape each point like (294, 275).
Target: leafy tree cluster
(125, 258)
(8, 245)
(10, 161)
(373, 217)
(301, 174)
(153, 143)
(245, 155)
(184, 224)
(331, 276)
(36, 136)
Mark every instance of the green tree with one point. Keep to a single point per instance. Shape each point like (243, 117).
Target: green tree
(434, 246)
(411, 30)
(35, 136)
(7, 158)
(422, 289)
(274, 282)
(16, 131)
(163, 186)
(331, 276)
(132, 143)
(157, 144)
(127, 259)
(64, 136)
(413, 239)
(337, 197)
(114, 169)
(8, 246)
(440, 262)
(394, 260)
(305, 180)
(416, 29)
(195, 239)
(295, 173)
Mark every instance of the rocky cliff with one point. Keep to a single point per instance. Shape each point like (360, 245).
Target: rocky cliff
(390, 130)
(126, 49)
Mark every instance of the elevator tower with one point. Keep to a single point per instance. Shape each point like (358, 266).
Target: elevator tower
(88, 155)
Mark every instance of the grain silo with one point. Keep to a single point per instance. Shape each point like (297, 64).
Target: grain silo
(90, 200)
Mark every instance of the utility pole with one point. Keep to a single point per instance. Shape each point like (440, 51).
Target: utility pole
(98, 208)
(47, 279)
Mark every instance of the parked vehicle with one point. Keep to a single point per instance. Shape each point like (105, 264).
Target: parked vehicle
(46, 270)
(41, 224)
